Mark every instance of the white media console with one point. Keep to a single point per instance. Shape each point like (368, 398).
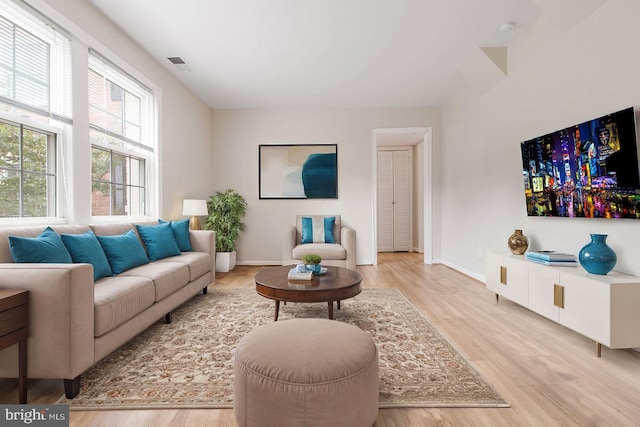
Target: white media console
(604, 308)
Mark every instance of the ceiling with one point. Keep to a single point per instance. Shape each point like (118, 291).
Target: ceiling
(319, 53)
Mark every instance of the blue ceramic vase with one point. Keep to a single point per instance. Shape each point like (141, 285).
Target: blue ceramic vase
(596, 256)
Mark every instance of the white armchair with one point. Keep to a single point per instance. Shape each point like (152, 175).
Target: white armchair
(342, 253)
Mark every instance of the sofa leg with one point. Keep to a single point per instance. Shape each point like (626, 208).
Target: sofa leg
(204, 290)
(167, 318)
(71, 387)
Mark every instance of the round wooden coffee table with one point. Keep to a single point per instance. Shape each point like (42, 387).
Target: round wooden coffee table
(337, 284)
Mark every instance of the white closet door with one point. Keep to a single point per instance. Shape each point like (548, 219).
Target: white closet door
(393, 201)
(401, 200)
(385, 201)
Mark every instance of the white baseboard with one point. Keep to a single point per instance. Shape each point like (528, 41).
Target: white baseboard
(465, 271)
(258, 263)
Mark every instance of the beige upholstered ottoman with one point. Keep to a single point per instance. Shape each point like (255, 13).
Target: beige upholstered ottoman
(306, 372)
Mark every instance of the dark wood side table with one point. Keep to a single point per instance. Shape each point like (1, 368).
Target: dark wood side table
(14, 325)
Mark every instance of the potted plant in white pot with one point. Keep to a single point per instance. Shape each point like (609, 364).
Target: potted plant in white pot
(226, 210)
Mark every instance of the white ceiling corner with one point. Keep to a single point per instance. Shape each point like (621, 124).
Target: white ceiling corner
(481, 72)
(499, 56)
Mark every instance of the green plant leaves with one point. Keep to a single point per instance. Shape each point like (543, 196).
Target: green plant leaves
(226, 210)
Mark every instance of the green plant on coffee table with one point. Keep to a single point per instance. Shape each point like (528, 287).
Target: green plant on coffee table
(311, 259)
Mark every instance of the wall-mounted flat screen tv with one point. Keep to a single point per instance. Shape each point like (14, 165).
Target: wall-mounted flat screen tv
(589, 170)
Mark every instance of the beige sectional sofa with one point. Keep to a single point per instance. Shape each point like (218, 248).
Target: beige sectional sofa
(74, 322)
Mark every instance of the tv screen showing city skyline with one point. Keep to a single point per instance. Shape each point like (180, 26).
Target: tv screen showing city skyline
(587, 170)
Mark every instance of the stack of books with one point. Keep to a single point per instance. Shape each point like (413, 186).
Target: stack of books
(552, 258)
(296, 275)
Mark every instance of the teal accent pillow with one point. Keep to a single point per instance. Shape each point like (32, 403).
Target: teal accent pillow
(123, 251)
(46, 248)
(86, 248)
(181, 234)
(159, 241)
(318, 230)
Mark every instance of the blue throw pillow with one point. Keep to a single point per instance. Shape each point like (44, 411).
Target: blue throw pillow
(123, 251)
(181, 234)
(86, 248)
(318, 230)
(46, 248)
(159, 240)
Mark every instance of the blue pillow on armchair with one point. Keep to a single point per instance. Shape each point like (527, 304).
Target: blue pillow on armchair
(318, 230)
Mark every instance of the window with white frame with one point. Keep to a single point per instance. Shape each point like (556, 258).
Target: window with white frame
(34, 110)
(121, 121)
(27, 171)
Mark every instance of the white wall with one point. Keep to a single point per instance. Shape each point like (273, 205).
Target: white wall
(557, 77)
(184, 130)
(237, 134)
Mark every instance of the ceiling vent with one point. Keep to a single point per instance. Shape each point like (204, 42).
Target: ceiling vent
(179, 63)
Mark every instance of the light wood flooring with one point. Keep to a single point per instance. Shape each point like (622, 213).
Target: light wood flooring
(549, 374)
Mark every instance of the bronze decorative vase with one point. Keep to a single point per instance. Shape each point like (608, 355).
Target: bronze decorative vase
(518, 242)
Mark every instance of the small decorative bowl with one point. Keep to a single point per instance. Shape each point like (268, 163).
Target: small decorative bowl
(314, 268)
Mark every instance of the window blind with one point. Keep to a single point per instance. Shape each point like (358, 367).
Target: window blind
(35, 59)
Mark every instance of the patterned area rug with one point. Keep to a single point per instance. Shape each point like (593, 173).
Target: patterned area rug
(189, 363)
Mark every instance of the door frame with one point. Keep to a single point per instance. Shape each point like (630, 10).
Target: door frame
(427, 186)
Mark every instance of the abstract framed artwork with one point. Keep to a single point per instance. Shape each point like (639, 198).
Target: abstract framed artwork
(294, 171)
